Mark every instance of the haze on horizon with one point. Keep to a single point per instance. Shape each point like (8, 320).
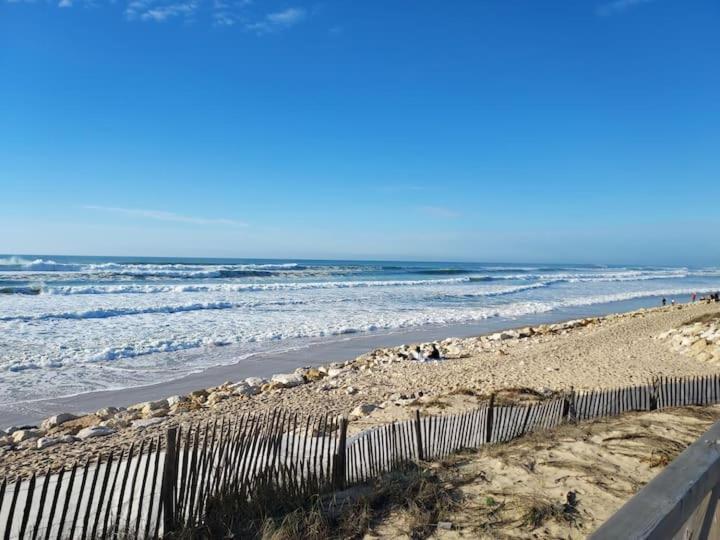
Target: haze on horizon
(582, 132)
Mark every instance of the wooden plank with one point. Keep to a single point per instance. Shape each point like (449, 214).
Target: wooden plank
(101, 498)
(66, 502)
(90, 501)
(108, 508)
(121, 496)
(153, 485)
(53, 504)
(41, 505)
(78, 505)
(28, 505)
(143, 485)
(13, 502)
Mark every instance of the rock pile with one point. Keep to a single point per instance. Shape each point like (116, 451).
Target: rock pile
(700, 340)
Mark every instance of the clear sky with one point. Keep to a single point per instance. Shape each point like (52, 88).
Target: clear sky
(570, 131)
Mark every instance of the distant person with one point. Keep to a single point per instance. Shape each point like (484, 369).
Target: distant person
(664, 302)
(672, 302)
(693, 296)
(435, 353)
(418, 355)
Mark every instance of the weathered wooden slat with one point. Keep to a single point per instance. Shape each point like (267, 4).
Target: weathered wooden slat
(53, 504)
(28, 506)
(143, 485)
(78, 505)
(41, 505)
(108, 508)
(66, 501)
(13, 502)
(90, 501)
(101, 498)
(121, 497)
(153, 485)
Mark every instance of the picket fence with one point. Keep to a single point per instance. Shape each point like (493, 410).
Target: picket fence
(165, 482)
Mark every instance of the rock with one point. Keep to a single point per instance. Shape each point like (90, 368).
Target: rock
(148, 412)
(45, 442)
(174, 400)
(67, 439)
(149, 405)
(255, 381)
(107, 412)
(314, 374)
(351, 390)
(334, 372)
(55, 421)
(199, 394)
(445, 525)
(244, 389)
(217, 397)
(146, 422)
(95, 431)
(362, 410)
(288, 380)
(699, 346)
(25, 435)
(115, 423)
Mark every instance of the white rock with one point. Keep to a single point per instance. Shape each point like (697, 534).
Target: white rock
(25, 435)
(351, 390)
(146, 422)
(288, 380)
(255, 381)
(244, 389)
(149, 405)
(334, 372)
(95, 431)
(57, 420)
(67, 439)
(174, 400)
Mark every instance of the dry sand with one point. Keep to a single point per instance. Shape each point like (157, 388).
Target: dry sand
(522, 489)
(611, 351)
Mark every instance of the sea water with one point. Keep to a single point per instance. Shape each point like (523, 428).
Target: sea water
(78, 324)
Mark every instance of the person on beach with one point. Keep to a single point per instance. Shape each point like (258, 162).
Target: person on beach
(672, 302)
(693, 296)
(418, 355)
(435, 353)
(664, 302)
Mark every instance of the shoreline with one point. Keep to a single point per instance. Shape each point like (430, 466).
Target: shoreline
(387, 384)
(265, 364)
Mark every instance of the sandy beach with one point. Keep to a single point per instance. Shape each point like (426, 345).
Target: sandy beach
(385, 384)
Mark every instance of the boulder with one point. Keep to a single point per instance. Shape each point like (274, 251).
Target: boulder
(149, 405)
(94, 431)
(288, 380)
(362, 410)
(146, 422)
(699, 346)
(334, 372)
(199, 395)
(255, 381)
(25, 435)
(55, 421)
(45, 442)
(107, 412)
(351, 390)
(314, 374)
(174, 400)
(217, 397)
(244, 389)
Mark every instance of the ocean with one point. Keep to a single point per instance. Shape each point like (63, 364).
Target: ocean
(71, 325)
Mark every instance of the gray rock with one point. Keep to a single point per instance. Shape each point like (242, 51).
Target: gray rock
(174, 400)
(45, 442)
(244, 389)
(95, 431)
(55, 421)
(146, 422)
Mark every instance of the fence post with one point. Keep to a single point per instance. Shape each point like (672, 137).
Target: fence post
(489, 419)
(569, 412)
(169, 481)
(341, 458)
(654, 393)
(418, 436)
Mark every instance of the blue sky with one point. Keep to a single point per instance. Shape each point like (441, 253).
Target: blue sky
(572, 131)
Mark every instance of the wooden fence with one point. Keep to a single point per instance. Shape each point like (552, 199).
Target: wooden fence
(166, 482)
